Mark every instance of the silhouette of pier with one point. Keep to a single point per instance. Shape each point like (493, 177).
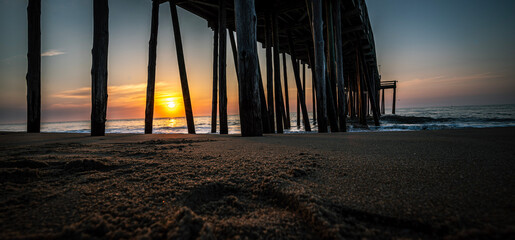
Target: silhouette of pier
(332, 38)
(388, 85)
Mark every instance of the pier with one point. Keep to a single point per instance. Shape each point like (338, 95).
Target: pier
(388, 85)
(332, 38)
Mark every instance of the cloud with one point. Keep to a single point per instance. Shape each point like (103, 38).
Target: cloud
(78, 93)
(442, 80)
(52, 52)
(128, 95)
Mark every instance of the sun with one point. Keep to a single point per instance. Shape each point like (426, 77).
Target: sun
(170, 103)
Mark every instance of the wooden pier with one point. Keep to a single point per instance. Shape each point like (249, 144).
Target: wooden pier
(333, 38)
(388, 85)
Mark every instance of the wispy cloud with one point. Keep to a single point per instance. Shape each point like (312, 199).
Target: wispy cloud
(441, 79)
(119, 95)
(78, 93)
(52, 52)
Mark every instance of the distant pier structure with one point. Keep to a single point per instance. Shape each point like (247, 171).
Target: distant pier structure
(388, 85)
(333, 38)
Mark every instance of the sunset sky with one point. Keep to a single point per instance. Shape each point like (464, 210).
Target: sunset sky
(442, 52)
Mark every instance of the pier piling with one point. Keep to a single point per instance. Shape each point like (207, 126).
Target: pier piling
(249, 97)
(34, 67)
(214, 100)
(99, 67)
(151, 79)
(182, 69)
(222, 57)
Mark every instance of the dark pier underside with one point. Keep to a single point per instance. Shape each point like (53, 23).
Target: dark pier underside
(294, 19)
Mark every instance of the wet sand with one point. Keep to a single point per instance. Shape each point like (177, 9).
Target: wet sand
(425, 184)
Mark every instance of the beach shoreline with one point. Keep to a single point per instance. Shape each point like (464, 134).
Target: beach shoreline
(413, 184)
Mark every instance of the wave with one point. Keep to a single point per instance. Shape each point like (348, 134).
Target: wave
(423, 120)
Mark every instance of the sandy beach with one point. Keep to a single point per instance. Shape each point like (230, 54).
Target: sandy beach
(420, 184)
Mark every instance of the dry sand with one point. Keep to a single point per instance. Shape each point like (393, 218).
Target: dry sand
(426, 184)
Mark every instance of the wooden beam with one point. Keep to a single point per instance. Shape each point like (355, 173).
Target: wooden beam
(182, 69)
(250, 103)
(222, 57)
(151, 79)
(99, 67)
(300, 89)
(214, 102)
(318, 39)
(33, 76)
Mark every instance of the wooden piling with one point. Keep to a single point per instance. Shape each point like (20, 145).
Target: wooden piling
(371, 96)
(303, 77)
(250, 103)
(33, 76)
(269, 70)
(298, 108)
(382, 102)
(214, 101)
(99, 67)
(351, 100)
(151, 79)
(222, 57)
(331, 107)
(286, 97)
(331, 62)
(234, 53)
(394, 96)
(300, 90)
(313, 85)
(318, 39)
(313, 99)
(277, 76)
(360, 89)
(182, 68)
(264, 108)
(339, 67)
(303, 82)
(330, 70)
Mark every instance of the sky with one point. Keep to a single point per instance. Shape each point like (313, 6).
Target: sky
(443, 53)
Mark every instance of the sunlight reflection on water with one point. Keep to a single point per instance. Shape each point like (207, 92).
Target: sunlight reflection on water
(408, 119)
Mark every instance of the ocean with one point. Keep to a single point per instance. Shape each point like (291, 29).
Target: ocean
(405, 119)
